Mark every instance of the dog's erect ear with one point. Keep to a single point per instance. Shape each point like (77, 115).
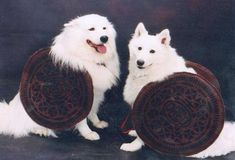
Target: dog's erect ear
(140, 30)
(71, 23)
(164, 37)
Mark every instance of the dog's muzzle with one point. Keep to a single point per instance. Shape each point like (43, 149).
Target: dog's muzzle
(140, 64)
(100, 48)
(104, 39)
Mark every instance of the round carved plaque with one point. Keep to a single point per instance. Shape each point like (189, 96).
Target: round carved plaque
(182, 115)
(204, 72)
(53, 96)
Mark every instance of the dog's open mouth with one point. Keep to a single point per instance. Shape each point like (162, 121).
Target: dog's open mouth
(141, 67)
(100, 48)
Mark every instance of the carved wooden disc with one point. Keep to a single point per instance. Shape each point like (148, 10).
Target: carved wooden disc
(182, 115)
(204, 72)
(53, 96)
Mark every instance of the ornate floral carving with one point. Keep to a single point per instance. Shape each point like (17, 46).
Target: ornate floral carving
(181, 115)
(55, 97)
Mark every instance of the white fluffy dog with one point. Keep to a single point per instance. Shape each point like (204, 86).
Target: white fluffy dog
(85, 43)
(153, 59)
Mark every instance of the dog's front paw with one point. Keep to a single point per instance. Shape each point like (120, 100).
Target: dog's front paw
(101, 124)
(132, 133)
(130, 147)
(92, 136)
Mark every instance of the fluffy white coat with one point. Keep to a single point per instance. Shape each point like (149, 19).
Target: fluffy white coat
(80, 46)
(153, 59)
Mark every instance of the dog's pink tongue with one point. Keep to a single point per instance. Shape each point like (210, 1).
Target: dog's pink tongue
(101, 49)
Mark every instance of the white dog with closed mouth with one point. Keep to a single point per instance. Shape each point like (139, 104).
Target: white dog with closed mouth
(153, 59)
(85, 43)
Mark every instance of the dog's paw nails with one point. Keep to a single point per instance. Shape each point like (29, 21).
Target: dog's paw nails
(132, 133)
(101, 124)
(92, 136)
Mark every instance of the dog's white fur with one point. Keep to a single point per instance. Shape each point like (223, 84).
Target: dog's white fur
(70, 49)
(157, 67)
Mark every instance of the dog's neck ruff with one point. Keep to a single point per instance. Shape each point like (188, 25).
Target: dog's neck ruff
(140, 73)
(139, 76)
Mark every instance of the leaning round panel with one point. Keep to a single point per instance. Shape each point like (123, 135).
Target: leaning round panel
(182, 115)
(204, 72)
(55, 96)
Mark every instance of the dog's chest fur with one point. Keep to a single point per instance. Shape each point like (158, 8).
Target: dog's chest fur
(136, 80)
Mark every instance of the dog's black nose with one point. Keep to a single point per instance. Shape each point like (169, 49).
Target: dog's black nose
(104, 39)
(140, 62)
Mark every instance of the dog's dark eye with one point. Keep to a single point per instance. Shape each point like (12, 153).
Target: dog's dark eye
(152, 51)
(91, 29)
(104, 28)
(139, 48)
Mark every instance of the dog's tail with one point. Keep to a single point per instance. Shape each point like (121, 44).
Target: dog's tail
(14, 120)
(224, 144)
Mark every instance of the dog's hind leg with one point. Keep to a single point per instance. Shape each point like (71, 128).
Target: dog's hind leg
(223, 145)
(16, 122)
(86, 132)
(93, 117)
(41, 131)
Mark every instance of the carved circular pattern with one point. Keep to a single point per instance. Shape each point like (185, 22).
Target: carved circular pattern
(182, 115)
(204, 72)
(53, 96)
